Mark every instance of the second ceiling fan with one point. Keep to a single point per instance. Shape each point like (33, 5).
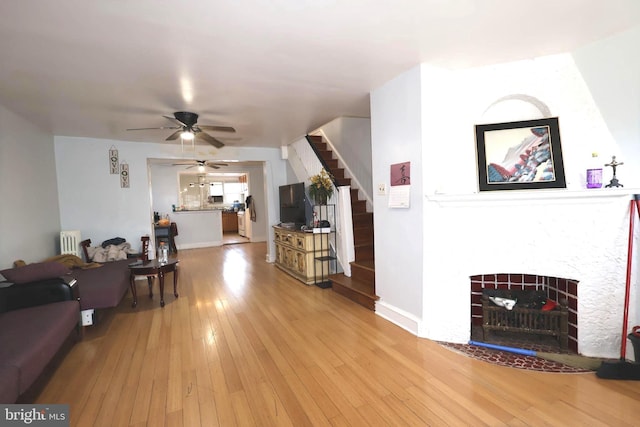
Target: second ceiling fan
(188, 128)
(201, 164)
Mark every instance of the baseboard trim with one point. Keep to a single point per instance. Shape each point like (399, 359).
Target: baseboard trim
(406, 321)
(199, 245)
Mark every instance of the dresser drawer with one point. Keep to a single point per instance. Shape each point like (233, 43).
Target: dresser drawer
(300, 242)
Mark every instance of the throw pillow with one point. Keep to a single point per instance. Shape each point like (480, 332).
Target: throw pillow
(34, 272)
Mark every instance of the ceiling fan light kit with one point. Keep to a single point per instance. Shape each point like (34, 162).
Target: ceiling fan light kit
(187, 135)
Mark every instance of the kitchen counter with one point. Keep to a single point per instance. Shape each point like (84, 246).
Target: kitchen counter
(200, 210)
(199, 228)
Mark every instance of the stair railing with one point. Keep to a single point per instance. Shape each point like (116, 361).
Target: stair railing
(346, 252)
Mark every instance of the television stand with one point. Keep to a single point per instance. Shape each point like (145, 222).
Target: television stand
(296, 252)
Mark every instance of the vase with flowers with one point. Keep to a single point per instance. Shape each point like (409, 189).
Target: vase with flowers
(321, 187)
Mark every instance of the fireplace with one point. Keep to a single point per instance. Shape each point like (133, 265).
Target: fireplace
(517, 238)
(560, 290)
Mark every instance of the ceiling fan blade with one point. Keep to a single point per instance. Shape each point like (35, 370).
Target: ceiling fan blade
(217, 128)
(215, 164)
(164, 127)
(174, 135)
(211, 140)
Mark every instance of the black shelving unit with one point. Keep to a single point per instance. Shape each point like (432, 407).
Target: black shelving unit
(324, 243)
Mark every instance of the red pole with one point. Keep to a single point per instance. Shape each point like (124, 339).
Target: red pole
(623, 347)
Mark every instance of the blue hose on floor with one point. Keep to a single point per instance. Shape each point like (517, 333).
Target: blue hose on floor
(516, 350)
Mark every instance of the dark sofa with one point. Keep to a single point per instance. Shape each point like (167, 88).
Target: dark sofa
(40, 311)
(36, 320)
(105, 286)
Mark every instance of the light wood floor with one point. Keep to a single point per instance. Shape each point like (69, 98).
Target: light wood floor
(231, 238)
(247, 345)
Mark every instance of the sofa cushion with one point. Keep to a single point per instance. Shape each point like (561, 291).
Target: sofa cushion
(9, 377)
(34, 272)
(31, 336)
(104, 286)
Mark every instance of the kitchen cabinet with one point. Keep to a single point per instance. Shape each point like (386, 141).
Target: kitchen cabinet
(229, 222)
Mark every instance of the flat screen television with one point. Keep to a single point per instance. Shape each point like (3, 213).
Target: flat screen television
(293, 203)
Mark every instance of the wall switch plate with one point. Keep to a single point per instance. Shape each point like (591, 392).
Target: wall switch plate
(382, 189)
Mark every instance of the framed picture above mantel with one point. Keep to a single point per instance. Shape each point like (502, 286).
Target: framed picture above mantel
(520, 155)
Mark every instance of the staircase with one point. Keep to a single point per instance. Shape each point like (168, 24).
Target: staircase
(361, 286)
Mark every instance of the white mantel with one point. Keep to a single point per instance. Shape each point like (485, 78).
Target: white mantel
(580, 235)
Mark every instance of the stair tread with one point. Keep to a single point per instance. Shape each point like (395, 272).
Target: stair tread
(363, 244)
(370, 264)
(354, 284)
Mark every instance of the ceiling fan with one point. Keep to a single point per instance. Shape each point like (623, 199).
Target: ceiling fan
(201, 164)
(186, 127)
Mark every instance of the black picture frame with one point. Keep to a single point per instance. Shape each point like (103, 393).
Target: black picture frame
(520, 155)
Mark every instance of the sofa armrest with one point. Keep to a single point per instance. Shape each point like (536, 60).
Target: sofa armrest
(37, 293)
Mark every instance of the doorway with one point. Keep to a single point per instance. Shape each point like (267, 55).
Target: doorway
(234, 227)
(166, 189)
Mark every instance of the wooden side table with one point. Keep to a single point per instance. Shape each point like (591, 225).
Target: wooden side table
(150, 269)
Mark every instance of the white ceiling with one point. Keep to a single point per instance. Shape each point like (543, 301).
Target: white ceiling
(273, 69)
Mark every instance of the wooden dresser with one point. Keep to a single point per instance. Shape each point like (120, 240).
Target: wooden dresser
(295, 254)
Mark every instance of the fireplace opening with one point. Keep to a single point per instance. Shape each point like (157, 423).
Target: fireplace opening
(544, 315)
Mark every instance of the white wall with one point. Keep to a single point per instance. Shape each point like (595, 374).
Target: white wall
(396, 137)
(610, 69)
(351, 139)
(92, 201)
(29, 218)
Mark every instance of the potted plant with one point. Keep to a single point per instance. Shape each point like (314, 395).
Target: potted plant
(321, 187)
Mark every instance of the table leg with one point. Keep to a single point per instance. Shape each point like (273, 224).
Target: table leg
(161, 280)
(132, 282)
(175, 282)
(150, 283)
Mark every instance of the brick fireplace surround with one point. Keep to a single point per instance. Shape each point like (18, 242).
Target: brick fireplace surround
(555, 288)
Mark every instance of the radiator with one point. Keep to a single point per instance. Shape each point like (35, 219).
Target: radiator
(70, 243)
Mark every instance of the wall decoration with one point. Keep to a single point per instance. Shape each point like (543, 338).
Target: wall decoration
(520, 155)
(114, 167)
(400, 188)
(124, 175)
(401, 174)
(614, 165)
